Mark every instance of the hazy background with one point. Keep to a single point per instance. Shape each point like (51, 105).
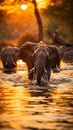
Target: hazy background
(17, 23)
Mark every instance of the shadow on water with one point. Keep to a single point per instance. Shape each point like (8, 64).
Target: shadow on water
(25, 106)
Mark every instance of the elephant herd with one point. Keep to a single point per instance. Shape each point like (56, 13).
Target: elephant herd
(40, 59)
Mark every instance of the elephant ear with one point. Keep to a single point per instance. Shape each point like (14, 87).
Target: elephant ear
(48, 51)
(27, 48)
(52, 51)
(16, 52)
(61, 51)
(3, 53)
(35, 49)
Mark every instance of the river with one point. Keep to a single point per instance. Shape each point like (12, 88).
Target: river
(25, 106)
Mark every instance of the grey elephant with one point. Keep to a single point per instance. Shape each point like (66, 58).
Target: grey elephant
(40, 59)
(41, 65)
(9, 57)
(27, 52)
(46, 57)
(68, 54)
(55, 57)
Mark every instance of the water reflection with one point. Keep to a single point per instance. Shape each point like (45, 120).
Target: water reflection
(24, 106)
(12, 103)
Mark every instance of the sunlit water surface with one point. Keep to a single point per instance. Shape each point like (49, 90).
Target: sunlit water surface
(25, 106)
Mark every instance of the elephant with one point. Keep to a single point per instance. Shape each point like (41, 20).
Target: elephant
(46, 57)
(9, 57)
(25, 53)
(40, 58)
(55, 57)
(41, 67)
(68, 55)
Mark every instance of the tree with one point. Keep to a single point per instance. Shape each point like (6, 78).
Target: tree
(36, 13)
(39, 21)
(2, 15)
(62, 10)
(1, 1)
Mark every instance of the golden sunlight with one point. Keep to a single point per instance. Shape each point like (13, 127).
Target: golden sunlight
(20, 62)
(23, 7)
(43, 3)
(18, 7)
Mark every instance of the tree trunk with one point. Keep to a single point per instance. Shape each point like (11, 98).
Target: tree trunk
(39, 21)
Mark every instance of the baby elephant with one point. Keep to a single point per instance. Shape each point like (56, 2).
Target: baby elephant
(9, 56)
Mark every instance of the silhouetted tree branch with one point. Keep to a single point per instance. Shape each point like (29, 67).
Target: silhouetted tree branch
(39, 21)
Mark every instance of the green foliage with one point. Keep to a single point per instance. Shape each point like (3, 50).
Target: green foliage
(62, 12)
(52, 26)
(61, 28)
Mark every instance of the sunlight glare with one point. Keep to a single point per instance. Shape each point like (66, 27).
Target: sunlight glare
(20, 62)
(42, 3)
(23, 7)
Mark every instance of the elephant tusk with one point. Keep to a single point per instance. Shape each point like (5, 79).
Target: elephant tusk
(6, 63)
(45, 70)
(32, 69)
(14, 63)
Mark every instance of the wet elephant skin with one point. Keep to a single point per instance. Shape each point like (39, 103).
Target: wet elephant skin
(9, 56)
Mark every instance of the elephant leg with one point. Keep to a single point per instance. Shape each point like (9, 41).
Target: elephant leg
(56, 68)
(30, 75)
(44, 78)
(31, 72)
(48, 72)
(39, 79)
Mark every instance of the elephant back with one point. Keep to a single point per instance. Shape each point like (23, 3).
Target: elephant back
(26, 50)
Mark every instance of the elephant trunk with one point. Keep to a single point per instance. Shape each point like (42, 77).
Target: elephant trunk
(40, 68)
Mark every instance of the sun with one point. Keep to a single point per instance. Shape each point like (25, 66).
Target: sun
(23, 7)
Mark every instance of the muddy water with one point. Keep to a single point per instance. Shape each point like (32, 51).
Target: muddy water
(25, 106)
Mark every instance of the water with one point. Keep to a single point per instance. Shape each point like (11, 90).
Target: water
(25, 106)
